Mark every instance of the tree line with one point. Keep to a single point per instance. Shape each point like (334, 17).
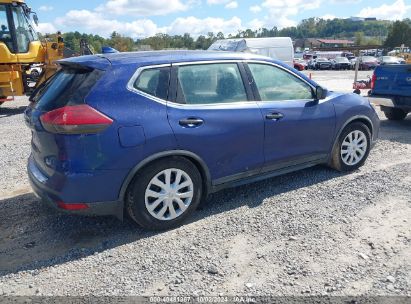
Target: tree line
(390, 34)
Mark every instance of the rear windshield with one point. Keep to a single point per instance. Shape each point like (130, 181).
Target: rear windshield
(67, 87)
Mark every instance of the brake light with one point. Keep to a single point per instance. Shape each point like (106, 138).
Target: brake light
(79, 119)
(65, 206)
(373, 79)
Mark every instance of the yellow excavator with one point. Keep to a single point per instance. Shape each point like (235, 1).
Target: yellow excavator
(21, 49)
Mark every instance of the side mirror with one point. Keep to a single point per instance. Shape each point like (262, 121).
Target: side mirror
(320, 93)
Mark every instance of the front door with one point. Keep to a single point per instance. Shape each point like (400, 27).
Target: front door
(298, 129)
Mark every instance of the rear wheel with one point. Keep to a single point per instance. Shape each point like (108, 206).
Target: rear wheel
(352, 148)
(164, 193)
(393, 113)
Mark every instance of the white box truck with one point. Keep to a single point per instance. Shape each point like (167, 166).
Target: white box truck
(280, 48)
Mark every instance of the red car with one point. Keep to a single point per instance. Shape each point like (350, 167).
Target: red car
(300, 65)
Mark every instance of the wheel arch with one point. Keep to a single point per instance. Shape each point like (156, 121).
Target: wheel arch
(195, 159)
(357, 118)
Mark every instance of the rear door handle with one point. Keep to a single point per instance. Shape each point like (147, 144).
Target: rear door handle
(274, 116)
(191, 122)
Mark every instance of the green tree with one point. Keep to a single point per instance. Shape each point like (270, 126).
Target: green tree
(359, 38)
(400, 33)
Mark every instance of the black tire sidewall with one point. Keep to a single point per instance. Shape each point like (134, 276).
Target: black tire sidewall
(393, 113)
(136, 203)
(348, 129)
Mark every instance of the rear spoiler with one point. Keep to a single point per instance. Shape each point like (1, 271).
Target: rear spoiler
(86, 62)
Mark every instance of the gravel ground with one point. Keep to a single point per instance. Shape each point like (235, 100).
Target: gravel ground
(313, 232)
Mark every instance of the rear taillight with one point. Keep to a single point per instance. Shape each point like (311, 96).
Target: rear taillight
(373, 79)
(79, 119)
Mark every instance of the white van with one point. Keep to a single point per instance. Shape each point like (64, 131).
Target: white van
(280, 48)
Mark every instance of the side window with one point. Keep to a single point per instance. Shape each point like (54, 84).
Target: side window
(154, 82)
(5, 35)
(210, 83)
(275, 84)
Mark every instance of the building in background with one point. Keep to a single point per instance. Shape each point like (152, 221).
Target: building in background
(319, 42)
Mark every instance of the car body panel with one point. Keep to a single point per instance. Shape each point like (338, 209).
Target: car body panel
(305, 132)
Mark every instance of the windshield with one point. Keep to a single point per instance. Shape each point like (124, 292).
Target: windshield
(322, 59)
(24, 29)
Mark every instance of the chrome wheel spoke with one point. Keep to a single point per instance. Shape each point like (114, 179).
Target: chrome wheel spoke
(163, 210)
(158, 183)
(155, 204)
(180, 204)
(183, 185)
(187, 194)
(154, 194)
(179, 174)
(172, 210)
(167, 174)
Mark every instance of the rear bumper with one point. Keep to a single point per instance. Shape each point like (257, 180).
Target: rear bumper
(51, 198)
(382, 101)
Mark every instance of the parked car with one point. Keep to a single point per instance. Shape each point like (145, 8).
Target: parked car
(311, 64)
(391, 89)
(279, 48)
(368, 63)
(322, 64)
(353, 61)
(340, 63)
(153, 133)
(300, 64)
(386, 60)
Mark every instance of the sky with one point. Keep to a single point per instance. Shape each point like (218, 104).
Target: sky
(143, 18)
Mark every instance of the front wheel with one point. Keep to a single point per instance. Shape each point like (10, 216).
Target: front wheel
(164, 193)
(393, 113)
(352, 148)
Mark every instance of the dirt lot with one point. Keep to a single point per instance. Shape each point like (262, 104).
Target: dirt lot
(313, 232)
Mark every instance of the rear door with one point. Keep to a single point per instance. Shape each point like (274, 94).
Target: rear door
(298, 129)
(212, 115)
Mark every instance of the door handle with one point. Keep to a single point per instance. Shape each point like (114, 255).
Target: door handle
(274, 116)
(191, 122)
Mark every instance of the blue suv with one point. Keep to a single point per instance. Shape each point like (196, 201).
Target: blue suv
(153, 133)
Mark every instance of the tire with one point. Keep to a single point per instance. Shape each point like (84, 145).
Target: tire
(34, 74)
(341, 159)
(151, 180)
(393, 113)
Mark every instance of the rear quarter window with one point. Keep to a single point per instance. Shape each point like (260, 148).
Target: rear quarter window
(67, 87)
(154, 82)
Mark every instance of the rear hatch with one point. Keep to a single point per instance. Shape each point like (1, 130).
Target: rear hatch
(58, 110)
(392, 80)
